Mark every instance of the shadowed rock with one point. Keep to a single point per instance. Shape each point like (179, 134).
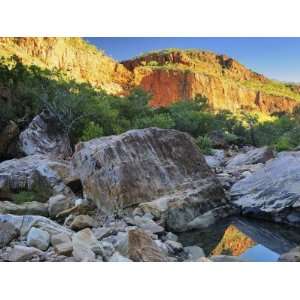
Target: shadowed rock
(37, 174)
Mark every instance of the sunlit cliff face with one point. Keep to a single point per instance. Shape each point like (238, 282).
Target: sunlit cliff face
(234, 242)
(173, 75)
(169, 75)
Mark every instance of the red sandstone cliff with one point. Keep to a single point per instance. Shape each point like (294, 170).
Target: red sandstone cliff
(172, 76)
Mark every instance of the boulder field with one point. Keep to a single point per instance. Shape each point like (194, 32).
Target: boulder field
(124, 198)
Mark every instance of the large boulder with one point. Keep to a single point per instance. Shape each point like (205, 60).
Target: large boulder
(145, 165)
(272, 192)
(21, 253)
(25, 223)
(8, 232)
(36, 177)
(43, 137)
(26, 208)
(253, 156)
(38, 238)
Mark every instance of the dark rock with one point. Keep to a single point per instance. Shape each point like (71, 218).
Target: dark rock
(36, 175)
(8, 232)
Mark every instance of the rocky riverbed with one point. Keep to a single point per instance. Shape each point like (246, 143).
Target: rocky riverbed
(128, 197)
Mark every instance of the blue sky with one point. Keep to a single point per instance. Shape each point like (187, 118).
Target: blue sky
(277, 58)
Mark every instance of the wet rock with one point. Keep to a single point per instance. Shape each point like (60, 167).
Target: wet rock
(194, 253)
(194, 211)
(58, 204)
(142, 248)
(81, 222)
(38, 238)
(254, 156)
(141, 166)
(292, 256)
(273, 191)
(8, 232)
(27, 208)
(117, 257)
(37, 174)
(25, 223)
(22, 253)
(43, 137)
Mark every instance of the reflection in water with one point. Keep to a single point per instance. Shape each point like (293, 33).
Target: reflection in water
(234, 242)
(250, 240)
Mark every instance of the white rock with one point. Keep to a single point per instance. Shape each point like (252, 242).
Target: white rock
(38, 238)
(38, 139)
(22, 253)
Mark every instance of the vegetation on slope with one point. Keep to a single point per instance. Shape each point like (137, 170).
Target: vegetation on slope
(84, 112)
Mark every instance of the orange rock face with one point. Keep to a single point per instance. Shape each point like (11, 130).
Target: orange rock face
(234, 242)
(169, 86)
(170, 75)
(73, 56)
(177, 75)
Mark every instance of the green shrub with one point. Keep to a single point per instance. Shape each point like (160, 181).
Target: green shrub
(91, 131)
(205, 145)
(25, 196)
(153, 63)
(160, 120)
(284, 144)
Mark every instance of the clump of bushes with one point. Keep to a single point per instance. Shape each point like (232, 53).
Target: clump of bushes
(205, 145)
(84, 112)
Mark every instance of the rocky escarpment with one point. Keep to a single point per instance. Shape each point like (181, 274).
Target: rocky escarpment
(73, 56)
(175, 75)
(170, 75)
